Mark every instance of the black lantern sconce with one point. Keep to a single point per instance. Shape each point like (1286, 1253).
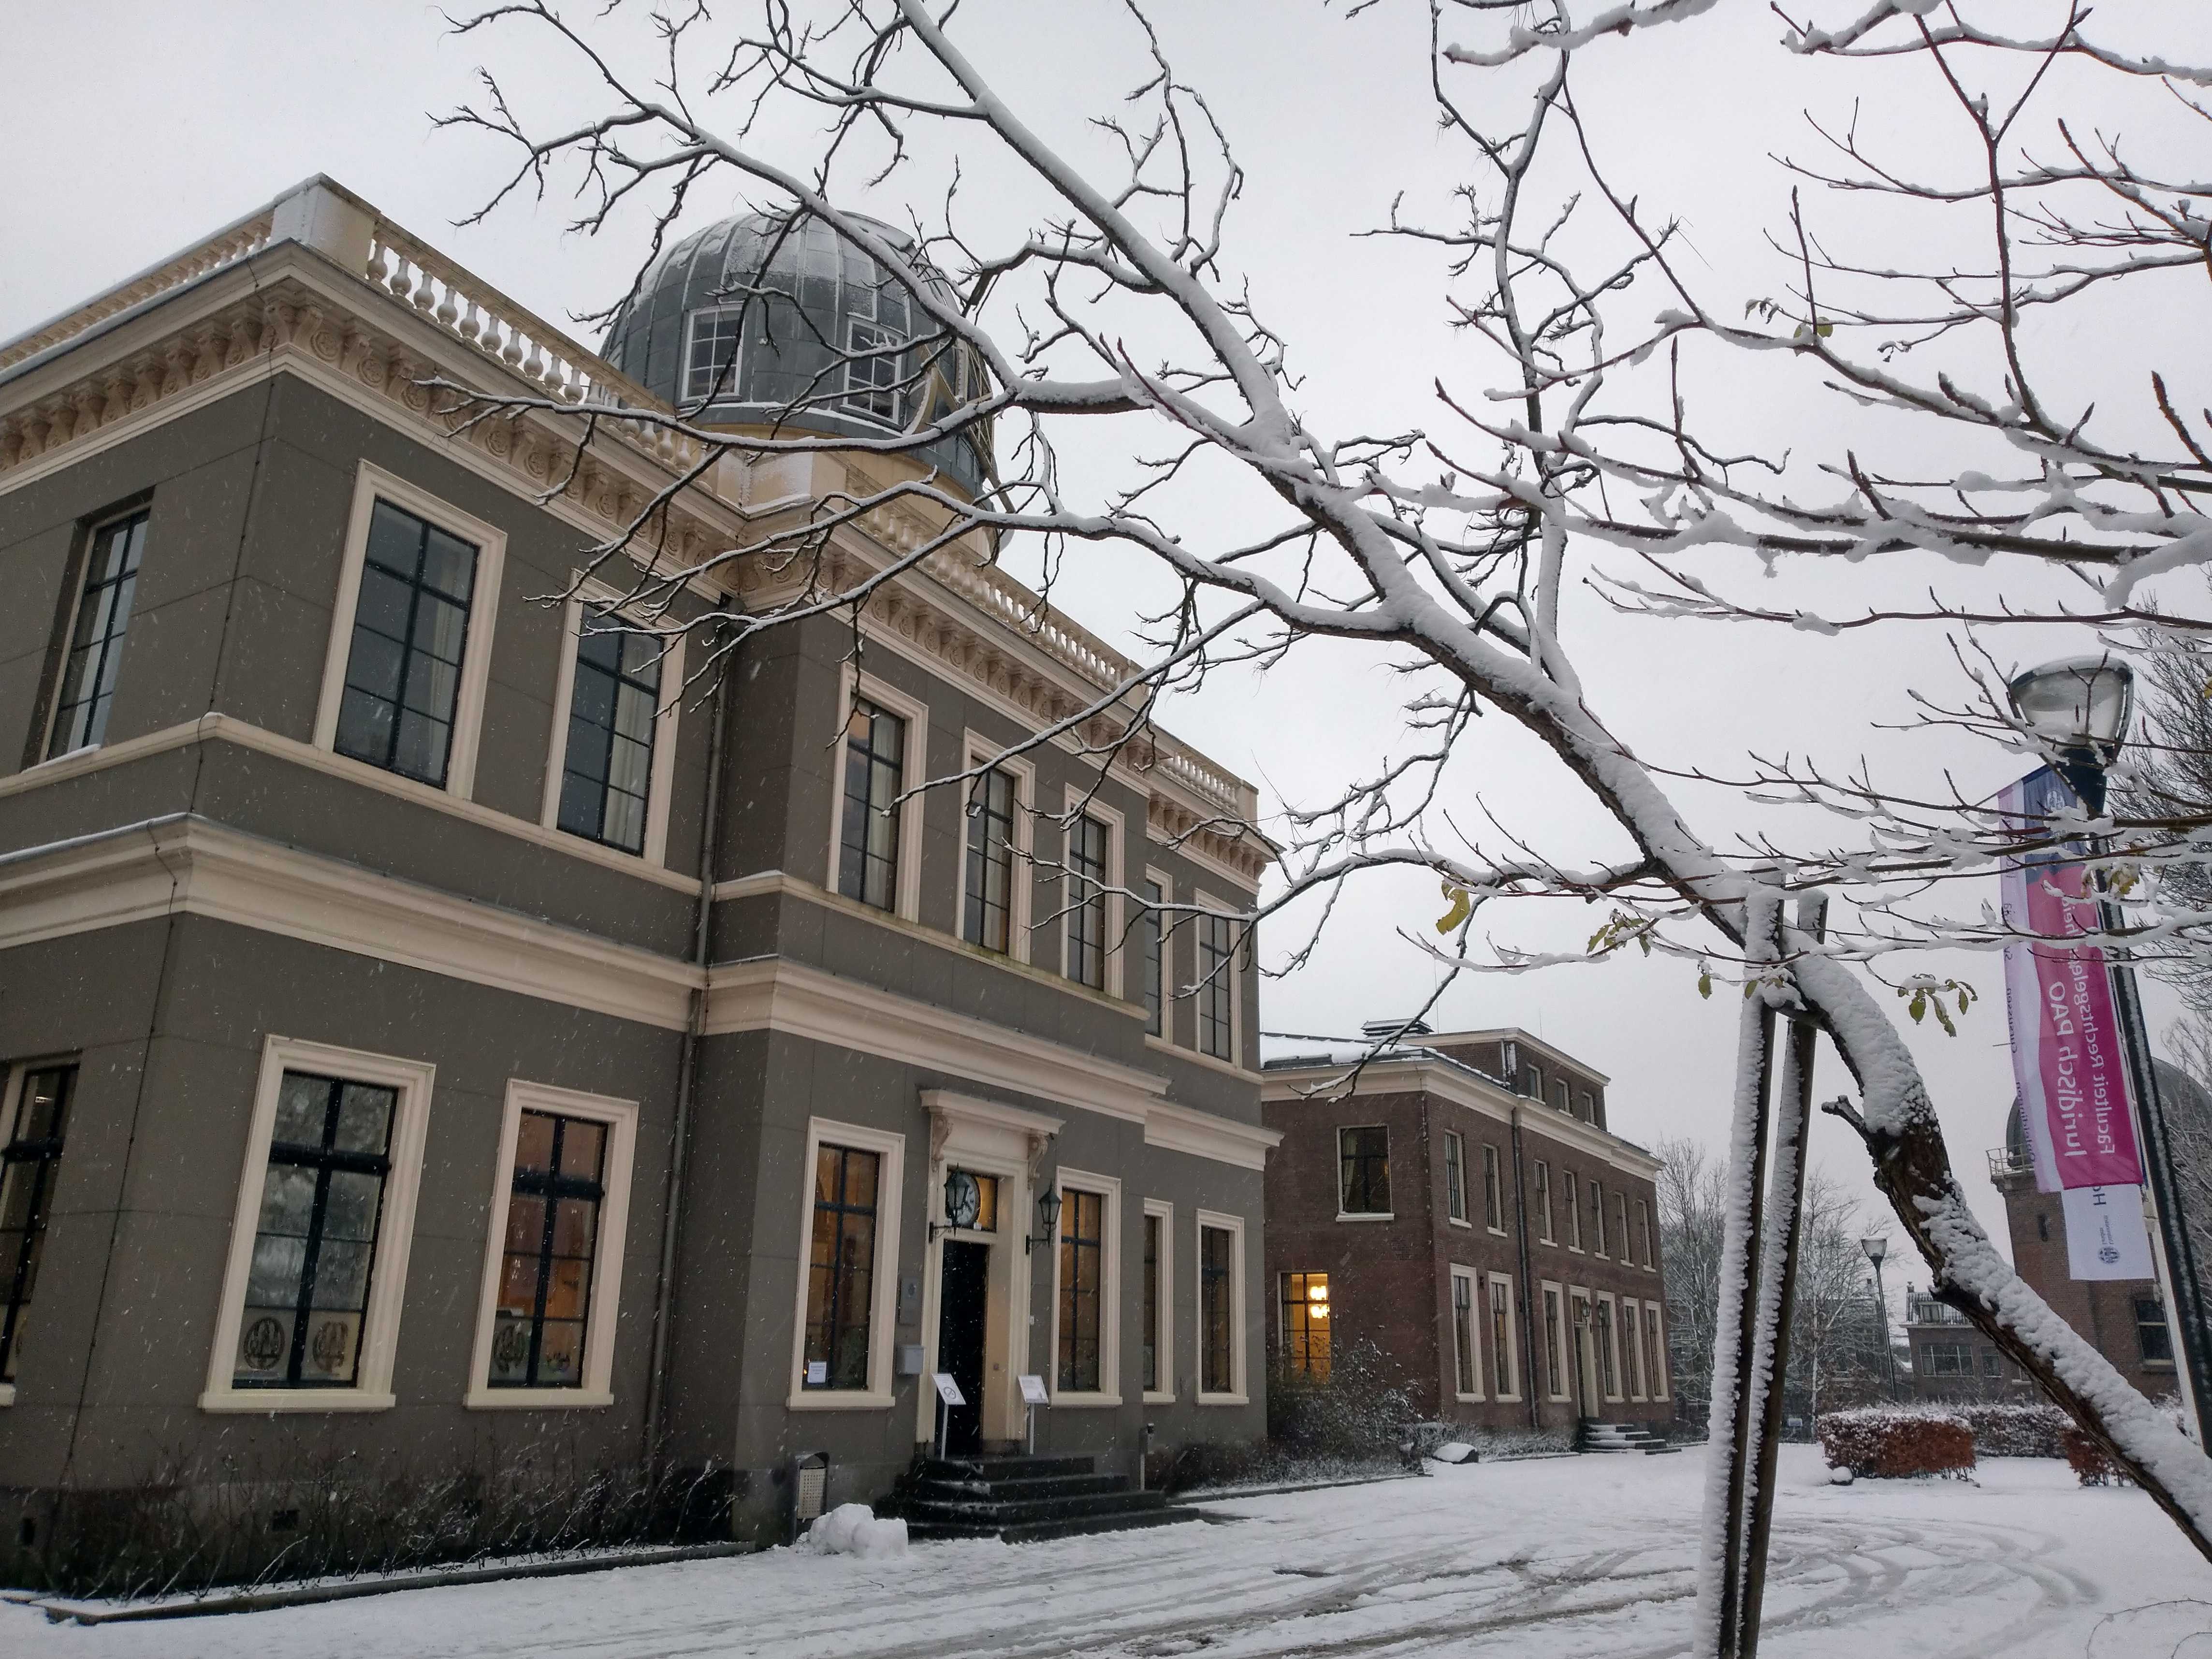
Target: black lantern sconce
(1048, 1209)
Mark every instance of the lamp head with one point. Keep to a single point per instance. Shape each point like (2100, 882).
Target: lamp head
(1875, 1248)
(2080, 706)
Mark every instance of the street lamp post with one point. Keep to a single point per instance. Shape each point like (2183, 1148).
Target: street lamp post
(1876, 1249)
(2082, 708)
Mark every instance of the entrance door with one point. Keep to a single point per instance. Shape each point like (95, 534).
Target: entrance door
(1585, 1359)
(963, 1297)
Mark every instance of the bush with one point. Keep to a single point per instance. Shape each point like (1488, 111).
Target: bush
(2091, 1465)
(1891, 1441)
(1361, 1411)
(2022, 1431)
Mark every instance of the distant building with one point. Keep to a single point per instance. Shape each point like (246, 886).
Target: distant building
(2125, 1319)
(1459, 1203)
(1952, 1360)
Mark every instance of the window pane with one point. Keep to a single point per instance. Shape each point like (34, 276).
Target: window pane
(95, 656)
(840, 1286)
(28, 1165)
(614, 709)
(554, 1205)
(1217, 1356)
(411, 625)
(867, 862)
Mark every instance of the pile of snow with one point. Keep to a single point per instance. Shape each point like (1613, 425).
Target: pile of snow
(1456, 1451)
(852, 1529)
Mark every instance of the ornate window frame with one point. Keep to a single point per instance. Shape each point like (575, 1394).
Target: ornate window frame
(597, 1386)
(380, 1339)
(370, 483)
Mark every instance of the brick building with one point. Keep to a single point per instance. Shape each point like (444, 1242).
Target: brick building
(2124, 1318)
(1457, 1197)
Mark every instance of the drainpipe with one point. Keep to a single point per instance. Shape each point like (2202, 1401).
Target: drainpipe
(1527, 1290)
(687, 1071)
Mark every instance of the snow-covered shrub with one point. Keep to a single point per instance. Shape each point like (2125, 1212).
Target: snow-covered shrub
(2015, 1430)
(1361, 1411)
(852, 1529)
(1891, 1441)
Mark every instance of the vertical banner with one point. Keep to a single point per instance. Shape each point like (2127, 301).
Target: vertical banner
(2066, 1054)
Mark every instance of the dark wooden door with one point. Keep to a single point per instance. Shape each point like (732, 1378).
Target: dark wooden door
(962, 1295)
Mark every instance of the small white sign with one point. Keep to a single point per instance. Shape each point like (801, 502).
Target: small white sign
(817, 1373)
(948, 1390)
(1033, 1392)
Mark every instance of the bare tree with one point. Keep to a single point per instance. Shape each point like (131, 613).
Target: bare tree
(1564, 450)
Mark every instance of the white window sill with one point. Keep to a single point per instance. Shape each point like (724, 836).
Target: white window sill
(838, 1400)
(1224, 1399)
(493, 1400)
(1495, 1232)
(1368, 1215)
(7, 1393)
(1468, 1399)
(1156, 1399)
(1083, 1402)
(259, 1401)
(1574, 1250)
(1509, 1398)
(1455, 1221)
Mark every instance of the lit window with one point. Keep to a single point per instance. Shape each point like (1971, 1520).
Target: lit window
(410, 623)
(1217, 984)
(841, 1268)
(1082, 1302)
(1306, 1325)
(1086, 902)
(875, 774)
(552, 1238)
(1364, 1167)
(30, 1157)
(96, 640)
(988, 921)
(322, 1202)
(1455, 1176)
(710, 373)
(606, 770)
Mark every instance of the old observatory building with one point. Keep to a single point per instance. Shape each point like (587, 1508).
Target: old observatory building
(370, 924)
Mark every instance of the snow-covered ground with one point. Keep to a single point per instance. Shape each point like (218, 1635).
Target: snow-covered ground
(1562, 1557)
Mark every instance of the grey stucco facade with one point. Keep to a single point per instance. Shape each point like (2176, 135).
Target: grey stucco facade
(212, 888)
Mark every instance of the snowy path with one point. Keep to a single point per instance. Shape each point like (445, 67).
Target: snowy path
(1586, 1555)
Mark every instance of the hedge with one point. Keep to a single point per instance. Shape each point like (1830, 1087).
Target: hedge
(2020, 1431)
(1892, 1440)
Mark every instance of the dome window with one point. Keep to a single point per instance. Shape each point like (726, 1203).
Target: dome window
(710, 357)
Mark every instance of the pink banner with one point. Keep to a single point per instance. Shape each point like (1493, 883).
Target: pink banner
(2066, 1052)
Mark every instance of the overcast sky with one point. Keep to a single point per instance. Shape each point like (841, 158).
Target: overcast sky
(123, 156)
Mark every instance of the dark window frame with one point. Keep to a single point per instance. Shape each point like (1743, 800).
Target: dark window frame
(552, 1188)
(1079, 1360)
(868, 862)
(101, 597)
(1498, 1295)
(1153, 936)
(327, 1160)
(1357, 1169)
(352, 697)
(875, 373)
(1216, 1310)
(1089, 853)
(1543, 1178)
(985, 922)
(41, 1157)
(1493, 1189)
(594, 801)
(1217, 980)
(1455, 1175)
(1155, 1302)
(839, 1323)
(2144, 1340)
(1467, 1348)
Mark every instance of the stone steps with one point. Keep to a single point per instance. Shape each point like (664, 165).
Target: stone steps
(1021, 1499)
(1592, 1435)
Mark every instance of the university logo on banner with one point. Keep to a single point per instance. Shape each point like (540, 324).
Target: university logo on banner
(2075, 1111)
